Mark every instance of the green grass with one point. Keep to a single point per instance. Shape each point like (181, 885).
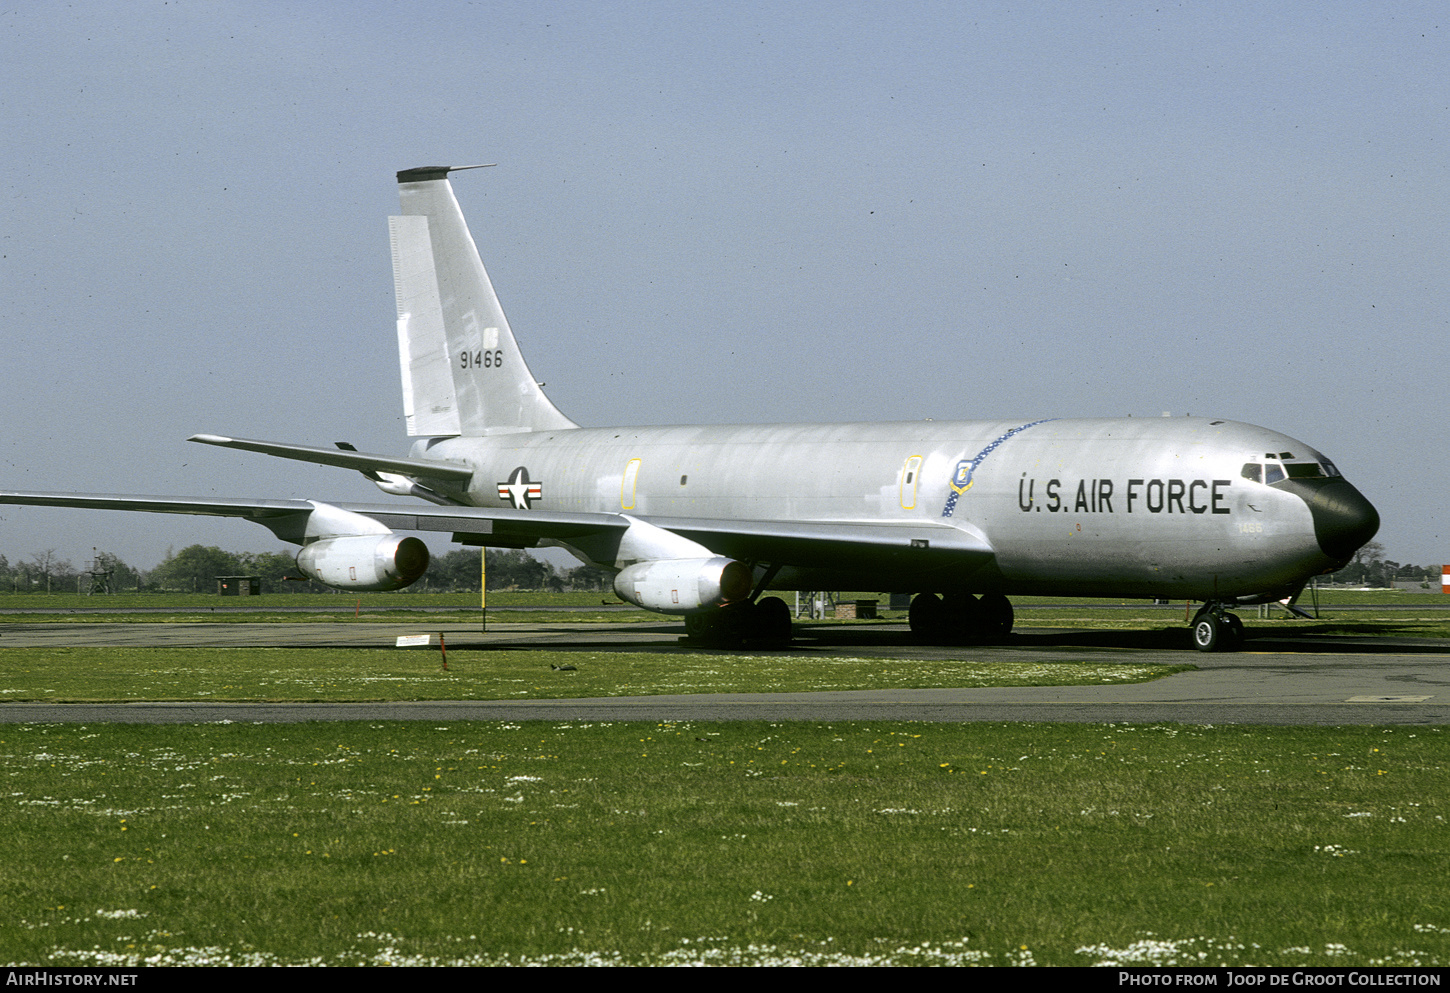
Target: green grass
(850, 843)
(731, 843)
(170, 608)
(335, 674)
(338, 600)
(267, 615)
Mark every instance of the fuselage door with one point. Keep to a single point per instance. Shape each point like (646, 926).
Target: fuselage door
(626, 488)
(910, 479)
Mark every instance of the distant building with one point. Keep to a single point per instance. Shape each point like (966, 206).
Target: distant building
(238, 585)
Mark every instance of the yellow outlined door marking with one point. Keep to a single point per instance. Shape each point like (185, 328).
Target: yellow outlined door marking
(626, 487)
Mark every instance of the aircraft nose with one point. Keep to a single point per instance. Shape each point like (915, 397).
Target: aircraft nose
(1343, 519)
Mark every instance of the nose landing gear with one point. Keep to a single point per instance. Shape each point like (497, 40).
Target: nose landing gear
(1216, 630)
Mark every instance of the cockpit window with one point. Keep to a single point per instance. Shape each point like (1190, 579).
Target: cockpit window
(1273, 472)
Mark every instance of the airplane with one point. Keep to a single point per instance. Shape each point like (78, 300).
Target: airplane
(700, 521)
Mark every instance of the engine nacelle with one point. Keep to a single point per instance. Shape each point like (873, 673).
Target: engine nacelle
(365, 561)
(678, 586)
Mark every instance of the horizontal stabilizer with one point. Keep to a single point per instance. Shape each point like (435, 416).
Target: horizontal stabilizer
(361, 461)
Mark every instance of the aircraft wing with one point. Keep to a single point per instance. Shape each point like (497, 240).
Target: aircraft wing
(839, 544)
(803, 543)
(284, 518)
(258, 510)
(806, 543)
(347, 459)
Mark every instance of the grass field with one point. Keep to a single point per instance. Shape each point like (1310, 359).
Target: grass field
(70, 675)
(154, 608)
(739, 843)
(328, 601)
(887, 843)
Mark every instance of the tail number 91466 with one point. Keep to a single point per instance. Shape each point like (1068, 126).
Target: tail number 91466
(481, 360)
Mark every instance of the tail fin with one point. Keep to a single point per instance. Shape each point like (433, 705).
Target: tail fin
(462, 370)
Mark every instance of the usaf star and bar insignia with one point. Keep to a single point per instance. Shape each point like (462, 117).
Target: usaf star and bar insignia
(519, 490)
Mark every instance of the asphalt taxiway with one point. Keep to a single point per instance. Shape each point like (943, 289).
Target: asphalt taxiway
(1279, 679)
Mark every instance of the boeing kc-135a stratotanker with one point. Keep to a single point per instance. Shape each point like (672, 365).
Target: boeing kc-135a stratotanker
(701, 521)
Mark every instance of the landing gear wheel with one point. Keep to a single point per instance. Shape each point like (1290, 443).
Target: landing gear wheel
(704, 628)
(1208, 633)
(724, 628)
(997, 616)
(771, 621)
(963, 618)
(927, 617)
(1233, 633)
(1216, 630)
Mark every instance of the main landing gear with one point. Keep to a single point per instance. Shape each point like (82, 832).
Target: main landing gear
(1216, 630)
(766, 621)
(960, 617)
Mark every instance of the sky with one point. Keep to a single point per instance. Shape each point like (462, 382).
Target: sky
(718, 212)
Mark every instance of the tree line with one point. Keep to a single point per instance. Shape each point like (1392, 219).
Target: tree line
(1369, 567)
(46, 572)
(197, 567)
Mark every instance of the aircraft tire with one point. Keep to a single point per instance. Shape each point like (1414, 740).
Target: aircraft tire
(927, 617)
(1234, 633)
(716, 628)
(772, 621)
(963, 618)
(1207, 633)
(997, 615)
(696, 626)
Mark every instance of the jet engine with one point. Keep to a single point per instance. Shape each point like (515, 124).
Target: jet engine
(679, 586)
(365, 561)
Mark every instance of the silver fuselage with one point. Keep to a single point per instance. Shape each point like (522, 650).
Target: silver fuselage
(1151, 507)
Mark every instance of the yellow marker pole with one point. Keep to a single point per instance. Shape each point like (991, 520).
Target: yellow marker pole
(483, 586)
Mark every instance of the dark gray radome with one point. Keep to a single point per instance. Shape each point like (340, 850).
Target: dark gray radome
(1343, 519)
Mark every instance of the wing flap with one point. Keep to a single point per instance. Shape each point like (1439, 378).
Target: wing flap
(836, 544)
(481, 522)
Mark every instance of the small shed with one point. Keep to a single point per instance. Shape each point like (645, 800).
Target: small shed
(238, 585)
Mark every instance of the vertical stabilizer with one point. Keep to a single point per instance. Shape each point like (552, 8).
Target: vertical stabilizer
(462, 370)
